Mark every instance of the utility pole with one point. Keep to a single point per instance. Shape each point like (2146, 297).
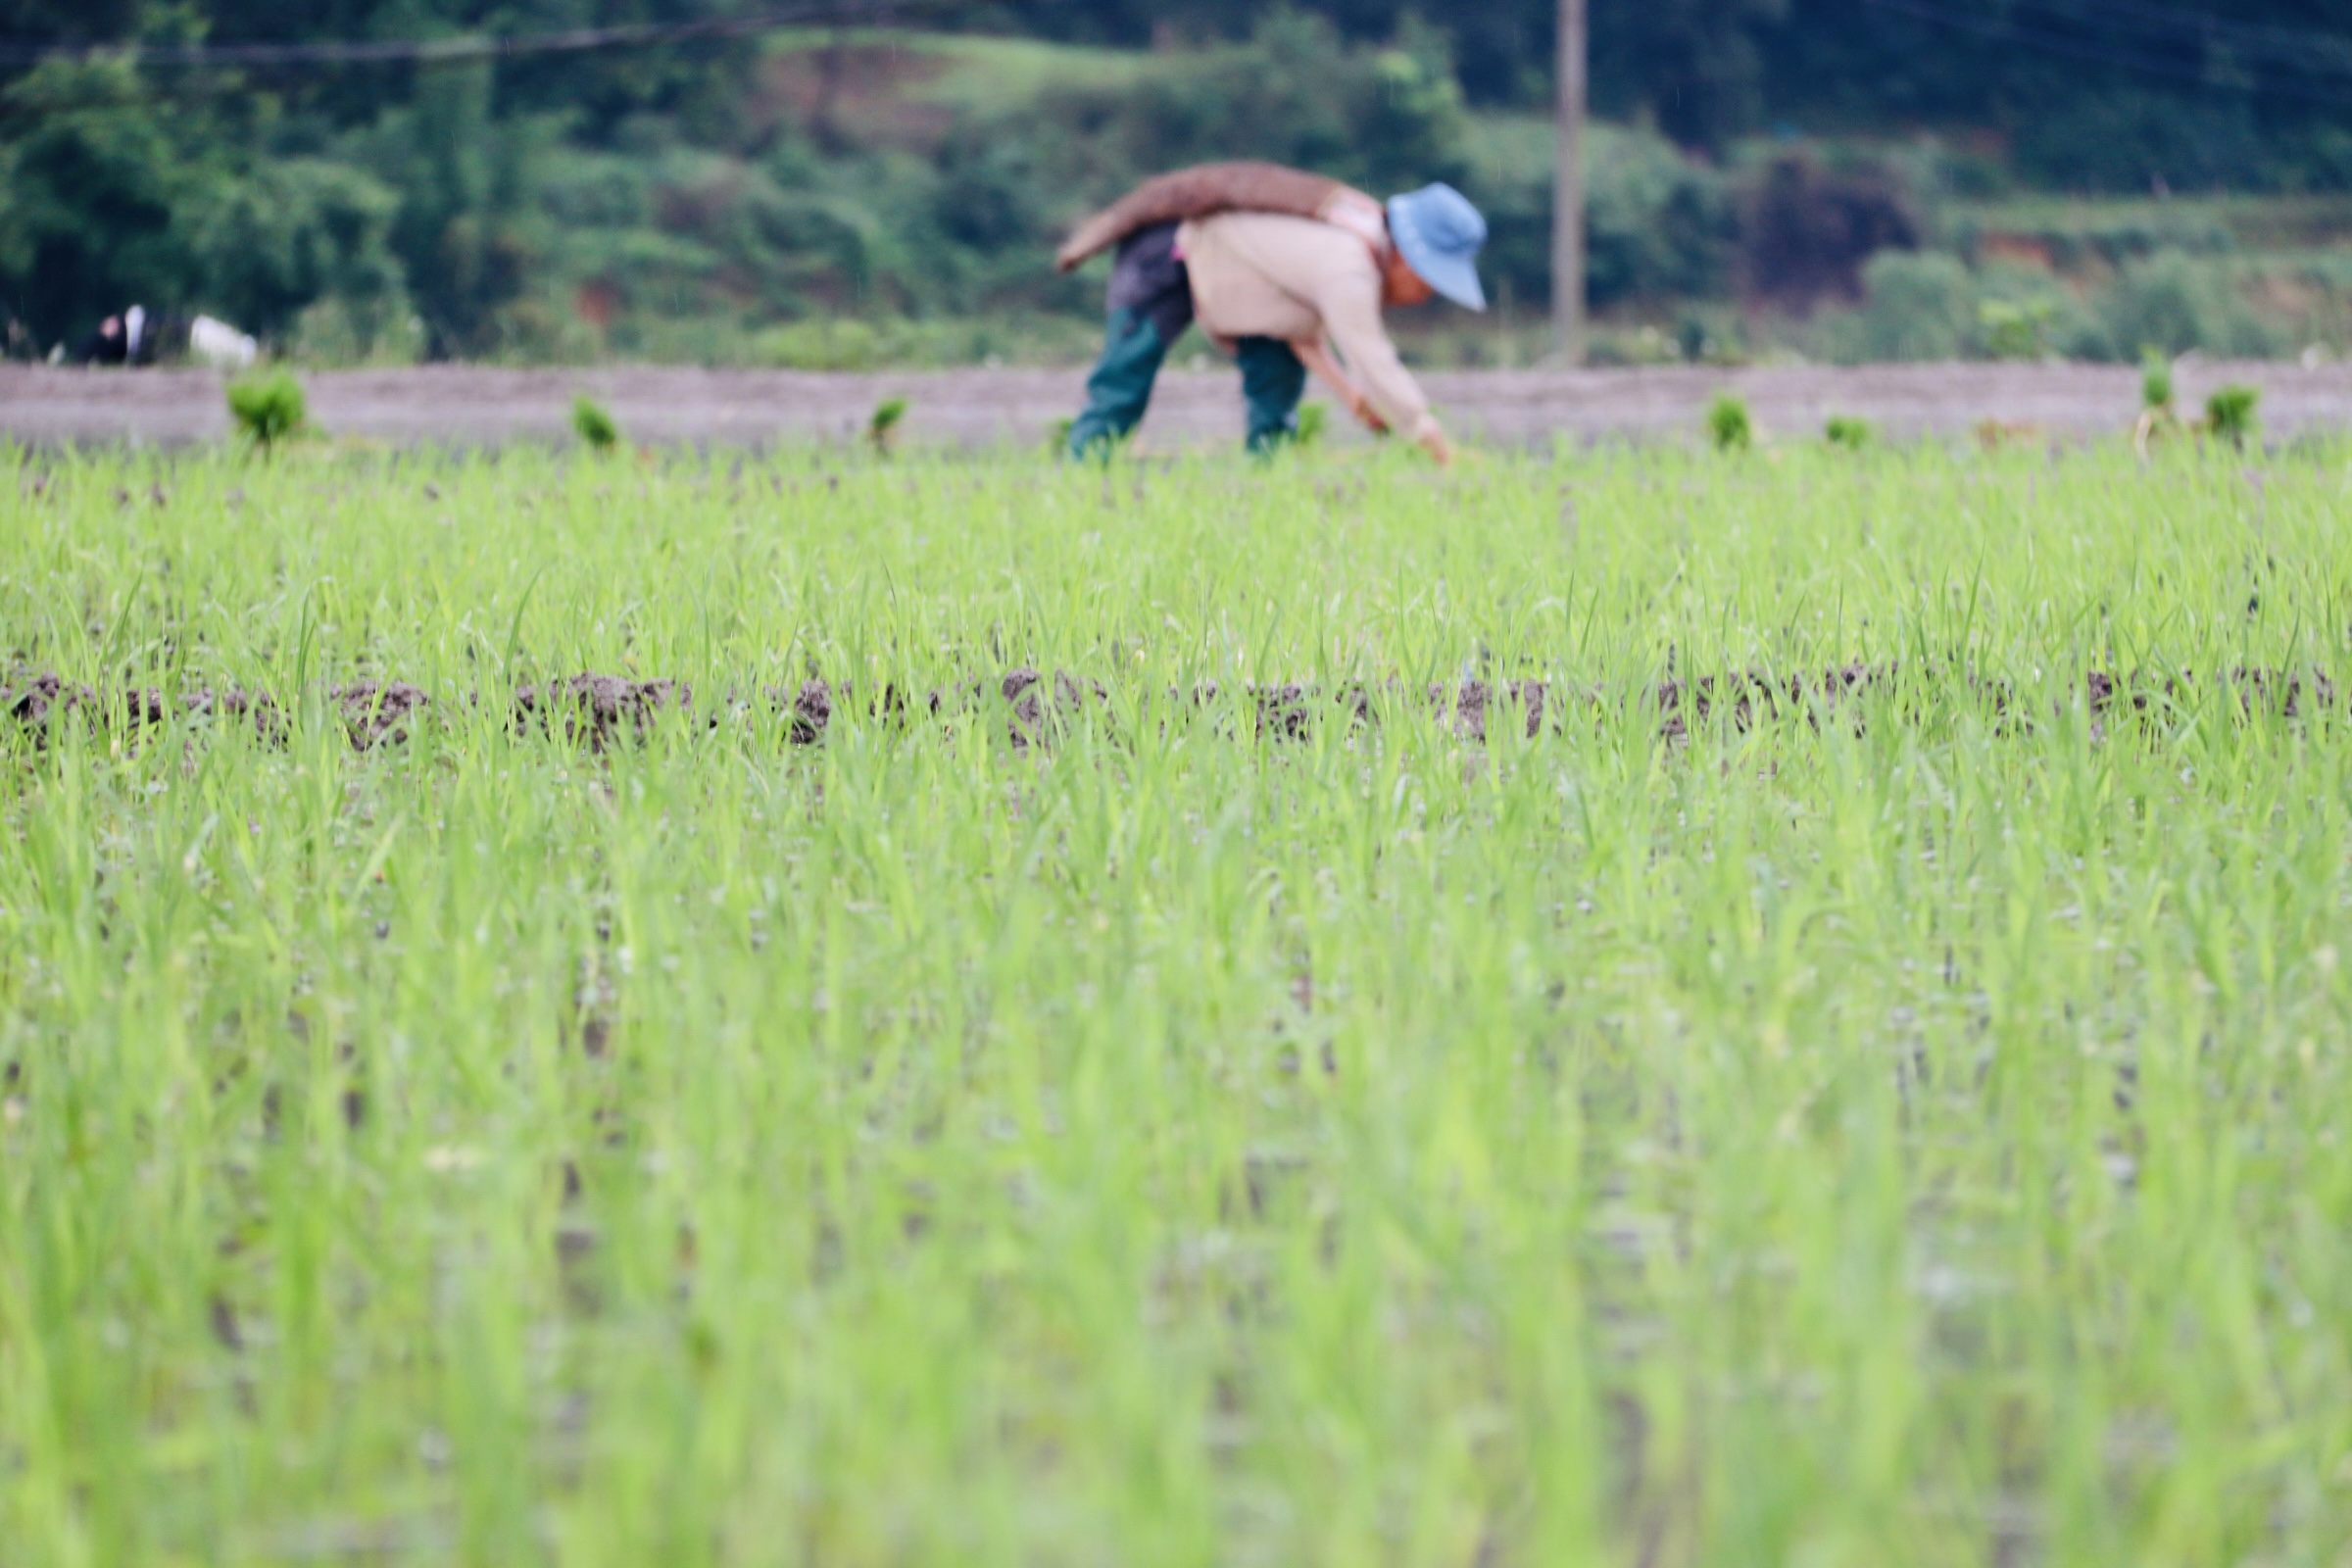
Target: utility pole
(1568, 192)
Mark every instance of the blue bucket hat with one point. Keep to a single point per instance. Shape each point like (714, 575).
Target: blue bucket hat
(1438, 232)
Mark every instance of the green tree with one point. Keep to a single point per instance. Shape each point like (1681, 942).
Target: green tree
(2171, 303)
(289, 233)
(94, 177)
(1382, 118)
(1917, 305)
(463, 228)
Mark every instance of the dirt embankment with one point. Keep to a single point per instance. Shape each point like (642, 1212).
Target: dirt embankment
(468, 405)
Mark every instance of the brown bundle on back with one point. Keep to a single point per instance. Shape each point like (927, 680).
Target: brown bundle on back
(1207, 188)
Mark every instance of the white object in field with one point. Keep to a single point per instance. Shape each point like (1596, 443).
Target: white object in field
(221, 345)
(134, 327)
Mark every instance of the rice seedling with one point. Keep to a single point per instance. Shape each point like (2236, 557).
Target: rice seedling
(2158, 414)
(2230, 415)
(594, 424)
(1183, 1011)
(268, 407)
(1849, 431)
(1728, 426)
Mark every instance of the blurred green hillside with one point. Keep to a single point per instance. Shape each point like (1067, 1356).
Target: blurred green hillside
(847, 197)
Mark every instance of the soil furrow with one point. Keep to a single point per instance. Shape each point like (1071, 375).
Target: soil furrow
(597, 710)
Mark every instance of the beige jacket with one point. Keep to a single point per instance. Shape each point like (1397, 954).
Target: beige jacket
(1266, 274)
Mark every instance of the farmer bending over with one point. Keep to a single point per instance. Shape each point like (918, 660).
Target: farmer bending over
(1276, 265)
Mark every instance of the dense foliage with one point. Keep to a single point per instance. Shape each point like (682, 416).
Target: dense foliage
(2197, 91)
(828, 198)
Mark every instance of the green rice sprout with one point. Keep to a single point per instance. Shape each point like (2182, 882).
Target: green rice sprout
(268, 407)
(594, 424)
(2229, 414)
(1728, 426)
(1620, 1006)
(2157, 415)
(881, 428)
(1849, 431)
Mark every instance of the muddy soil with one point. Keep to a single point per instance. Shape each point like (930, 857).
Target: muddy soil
(596, 707)
(468, 405)
(598, 711)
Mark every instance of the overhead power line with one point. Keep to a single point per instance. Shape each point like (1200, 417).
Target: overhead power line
(2295, 48)
(2142, 55)
(447, 51)
(2293, 44)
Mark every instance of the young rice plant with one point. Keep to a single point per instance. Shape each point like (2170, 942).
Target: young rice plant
(1738, 1117)
(594, 424)
(268, 407)
(1728, 426)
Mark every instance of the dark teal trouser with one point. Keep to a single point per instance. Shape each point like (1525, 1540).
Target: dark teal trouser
(1273, 379)
(1151, 306)
(1119, 388)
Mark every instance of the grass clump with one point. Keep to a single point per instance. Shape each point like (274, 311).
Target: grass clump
(2230, 415)
(267, 407)
(1728, 426)
(1849, 431)
(594, 424)
(881, 428)
(2157, 415)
